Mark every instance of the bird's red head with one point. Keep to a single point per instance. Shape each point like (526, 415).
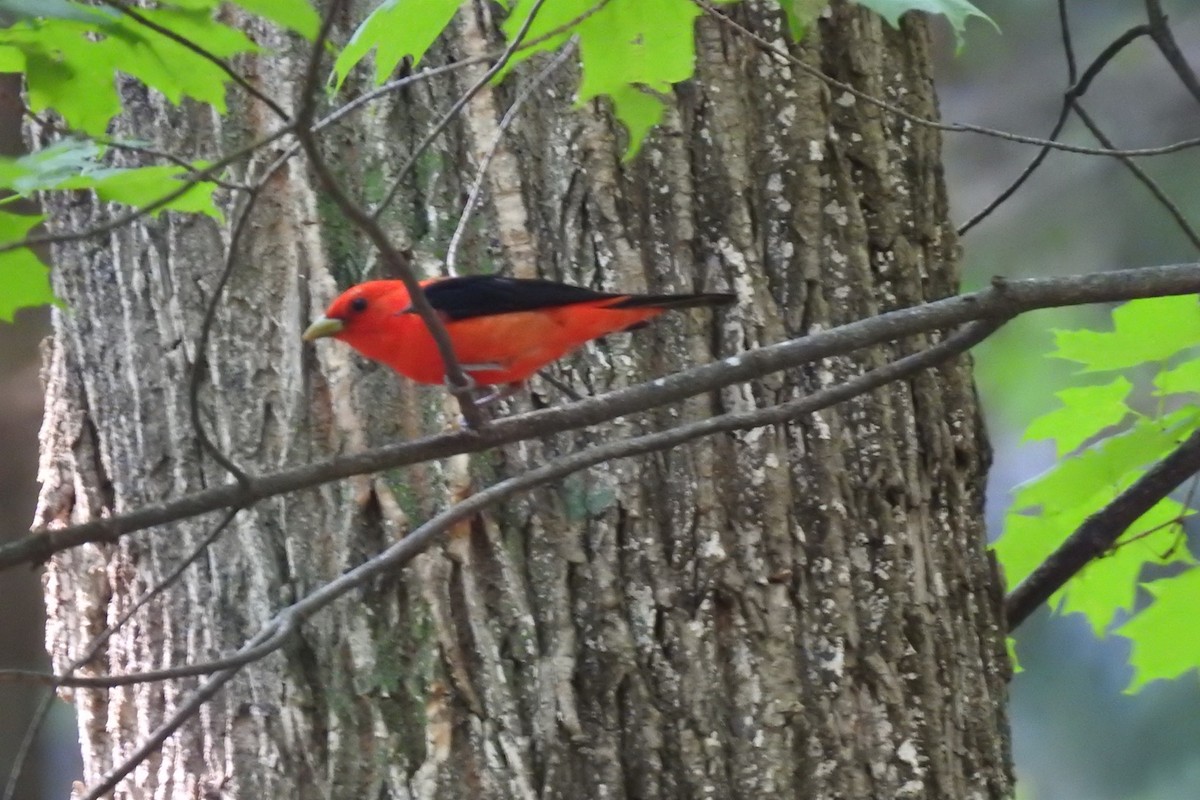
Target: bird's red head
(362, 316)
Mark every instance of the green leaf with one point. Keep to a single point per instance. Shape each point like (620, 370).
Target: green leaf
(398, 29)
(801, 14)
(555, 16)
(1182, 379)
(171, 68)
(1046, 509)
(296, 15)
(956, 11)
(1085, 411)
(1011, 645)
(24, 279)
(11, 59)
(1105, 468)
(47, 168)
(73, 164)
(1165, 644)
(629, 49)
(639, 111)
(144, 185)
(85, 100)
(1144, 331)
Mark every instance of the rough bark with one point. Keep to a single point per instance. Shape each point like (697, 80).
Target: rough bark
(804, 610)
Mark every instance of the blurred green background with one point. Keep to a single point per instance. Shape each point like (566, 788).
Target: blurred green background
(1075, 735)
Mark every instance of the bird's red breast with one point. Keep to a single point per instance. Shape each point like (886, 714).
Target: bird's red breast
(503, 329)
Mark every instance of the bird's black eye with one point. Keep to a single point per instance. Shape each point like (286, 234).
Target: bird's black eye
(358, 304)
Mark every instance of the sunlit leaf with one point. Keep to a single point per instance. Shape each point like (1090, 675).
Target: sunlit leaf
(1182, 379)
(1165, 644)
(74, 164)
(956, 11)
(397, 29)
(1106, 466)
(296, 15)
(801, 14)
(639, 111)
(24, 279)
(144, 185)
(1085, 411)
(47, 168)
(1144, 331)
(1108, 584)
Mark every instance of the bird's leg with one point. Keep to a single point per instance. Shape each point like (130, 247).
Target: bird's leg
(496, 395)
(465, 394)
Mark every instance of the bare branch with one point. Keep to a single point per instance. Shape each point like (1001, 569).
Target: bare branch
(1100, 531)
(1076, 90)
(505, 122)
(1002, 300)
(1143, 177)
(1160, 31)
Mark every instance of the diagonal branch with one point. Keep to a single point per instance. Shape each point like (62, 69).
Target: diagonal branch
(1160, 31)
(1100, 531)
(1002, 300)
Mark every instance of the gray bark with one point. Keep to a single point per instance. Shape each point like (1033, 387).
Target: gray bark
(805, 610)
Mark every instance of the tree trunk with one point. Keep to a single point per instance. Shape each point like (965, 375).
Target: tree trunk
(803, 610)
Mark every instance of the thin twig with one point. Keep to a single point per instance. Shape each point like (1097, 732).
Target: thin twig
(130, 147)
(1075, 90)
(286, 626)
(26, 747)
(186, 184)
(1004, 298)
(481, 171)
(68, 677)
(1142, 176)
(455, 110)
(200, 365)
(272, 639)
(459, 383)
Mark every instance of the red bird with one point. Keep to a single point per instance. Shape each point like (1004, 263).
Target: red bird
(503, 329)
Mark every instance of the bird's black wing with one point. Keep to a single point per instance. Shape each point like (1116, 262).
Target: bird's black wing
(484, 295)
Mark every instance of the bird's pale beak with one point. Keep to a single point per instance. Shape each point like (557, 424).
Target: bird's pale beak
(323, 327)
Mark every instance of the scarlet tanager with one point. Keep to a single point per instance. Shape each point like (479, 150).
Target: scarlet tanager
(503, 329)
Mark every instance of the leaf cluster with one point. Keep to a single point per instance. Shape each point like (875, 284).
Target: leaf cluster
(1107, 434)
